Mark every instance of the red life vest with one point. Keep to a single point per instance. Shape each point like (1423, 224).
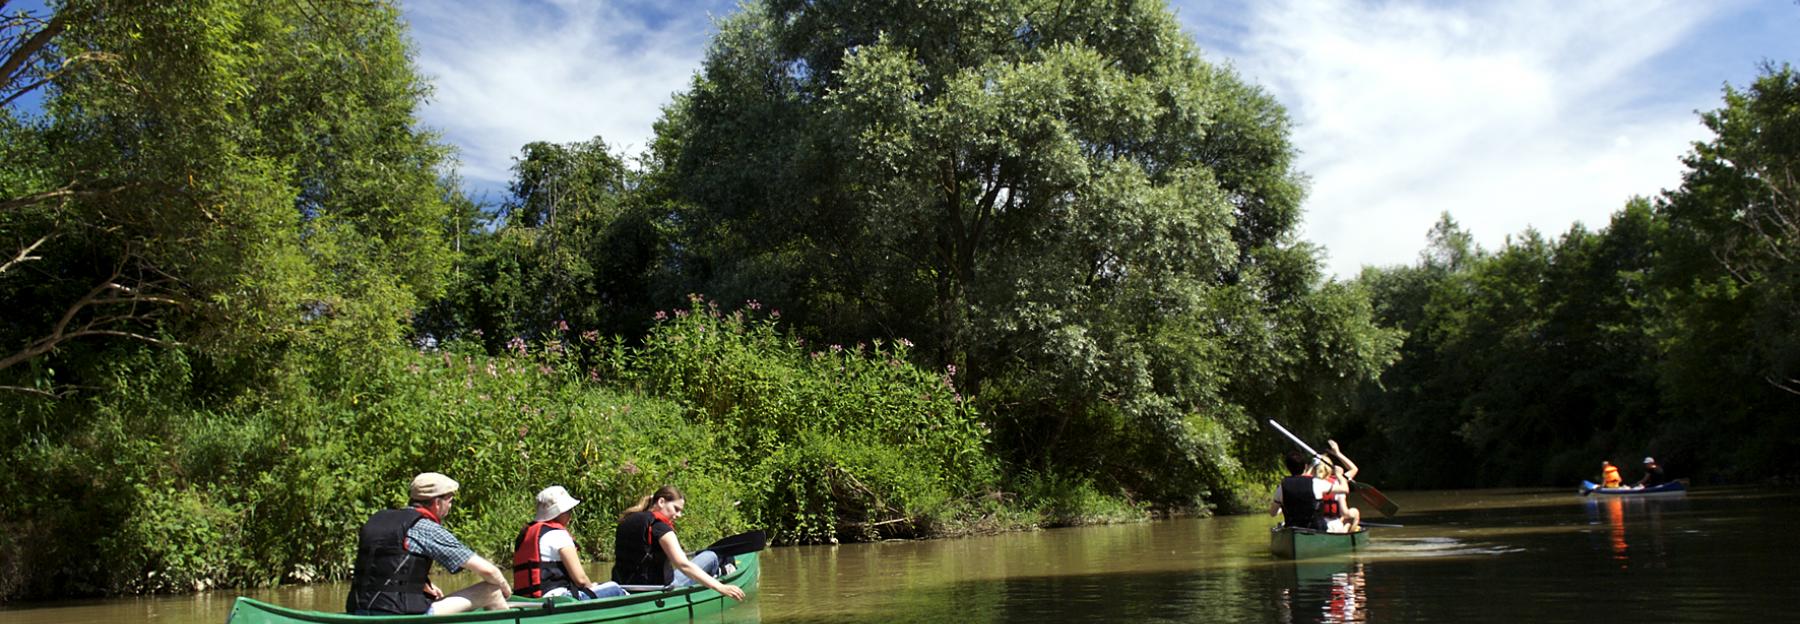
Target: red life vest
(1329, 505)
(532, 576)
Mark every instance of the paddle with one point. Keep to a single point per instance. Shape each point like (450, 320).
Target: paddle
(728, 547)
(1368, 492)
(1382, 525)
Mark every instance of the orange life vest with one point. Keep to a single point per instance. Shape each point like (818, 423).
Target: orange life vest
(1609, 477)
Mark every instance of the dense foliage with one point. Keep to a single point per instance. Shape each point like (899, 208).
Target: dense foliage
(1674, 332)
(1062, 201)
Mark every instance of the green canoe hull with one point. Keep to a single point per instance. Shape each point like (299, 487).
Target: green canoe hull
(687, 604)
(1289, 543)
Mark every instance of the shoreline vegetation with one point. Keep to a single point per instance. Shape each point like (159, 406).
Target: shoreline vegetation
(1053, 279)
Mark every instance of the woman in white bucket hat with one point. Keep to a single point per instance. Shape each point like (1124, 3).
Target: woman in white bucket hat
(546, 563)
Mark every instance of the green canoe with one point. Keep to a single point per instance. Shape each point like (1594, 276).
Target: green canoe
(694, 603)
(1288, 543)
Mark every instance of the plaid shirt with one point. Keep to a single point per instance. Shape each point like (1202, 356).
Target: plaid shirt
(433, 540)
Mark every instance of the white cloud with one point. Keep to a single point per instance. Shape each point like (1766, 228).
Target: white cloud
(1508, 115)
(507, 73)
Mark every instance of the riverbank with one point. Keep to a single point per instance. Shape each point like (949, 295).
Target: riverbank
(268, 485)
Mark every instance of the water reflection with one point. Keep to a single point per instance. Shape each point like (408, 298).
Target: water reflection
(1615, 512)
(1312, 591)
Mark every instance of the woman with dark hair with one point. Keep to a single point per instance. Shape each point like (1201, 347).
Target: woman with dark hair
(649, 553)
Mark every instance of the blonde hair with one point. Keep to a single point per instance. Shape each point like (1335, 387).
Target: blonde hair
(667, 492)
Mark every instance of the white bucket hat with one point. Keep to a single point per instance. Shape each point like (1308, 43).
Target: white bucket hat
(553, 501)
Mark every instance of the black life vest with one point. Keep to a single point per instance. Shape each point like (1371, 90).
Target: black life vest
(387, 578)
(532, 576)
(640, 561)
(1299, 508)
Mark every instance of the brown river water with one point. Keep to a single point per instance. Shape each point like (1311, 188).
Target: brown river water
(1539, 555)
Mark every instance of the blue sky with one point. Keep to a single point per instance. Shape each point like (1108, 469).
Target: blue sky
(1508, 115)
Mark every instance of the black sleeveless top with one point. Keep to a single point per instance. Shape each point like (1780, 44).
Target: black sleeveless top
(1299, 508)
(640, 560)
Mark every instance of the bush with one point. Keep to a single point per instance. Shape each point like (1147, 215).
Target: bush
(184, 473)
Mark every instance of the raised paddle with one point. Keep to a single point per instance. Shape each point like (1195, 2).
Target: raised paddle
(1368, 492)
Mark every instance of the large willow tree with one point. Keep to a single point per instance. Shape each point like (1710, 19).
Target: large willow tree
(1090, 227)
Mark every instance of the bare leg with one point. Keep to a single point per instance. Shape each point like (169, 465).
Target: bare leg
(483, 595)
(1352, 519)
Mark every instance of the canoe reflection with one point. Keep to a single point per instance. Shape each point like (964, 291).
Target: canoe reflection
(1322, 591)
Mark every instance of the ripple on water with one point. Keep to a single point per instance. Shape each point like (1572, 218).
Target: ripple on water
(1421, 547)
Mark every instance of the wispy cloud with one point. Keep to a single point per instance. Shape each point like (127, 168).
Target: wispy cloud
(1508, 115)
(508, 73)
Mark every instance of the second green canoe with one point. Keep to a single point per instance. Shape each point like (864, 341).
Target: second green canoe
(1288, 543)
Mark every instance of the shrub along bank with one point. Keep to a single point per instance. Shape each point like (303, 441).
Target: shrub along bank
(183, 474)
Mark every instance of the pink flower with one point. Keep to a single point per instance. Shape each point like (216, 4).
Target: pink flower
(562, 326)
(951, 368)
(905, 343)
(544, 369)
(753, 304)
(661, 315)
(837, 348)
(516, 345)
(775, 314)
(590, 335)
(491, 370)
(594, 375)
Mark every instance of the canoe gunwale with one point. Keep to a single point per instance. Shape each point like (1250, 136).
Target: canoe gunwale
(680, 598)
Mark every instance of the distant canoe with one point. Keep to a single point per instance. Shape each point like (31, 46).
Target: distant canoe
(1672, 488)
(694, 603)
(1290, 543)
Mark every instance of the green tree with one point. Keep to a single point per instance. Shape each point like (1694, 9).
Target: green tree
(1731, 334)
(222, 174)
(1062, 202)
(222, 208)
(573, 248)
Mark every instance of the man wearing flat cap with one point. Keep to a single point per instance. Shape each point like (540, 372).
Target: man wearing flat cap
(394, 551)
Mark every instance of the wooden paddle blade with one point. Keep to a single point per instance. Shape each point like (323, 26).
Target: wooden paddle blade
(1374, 498)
